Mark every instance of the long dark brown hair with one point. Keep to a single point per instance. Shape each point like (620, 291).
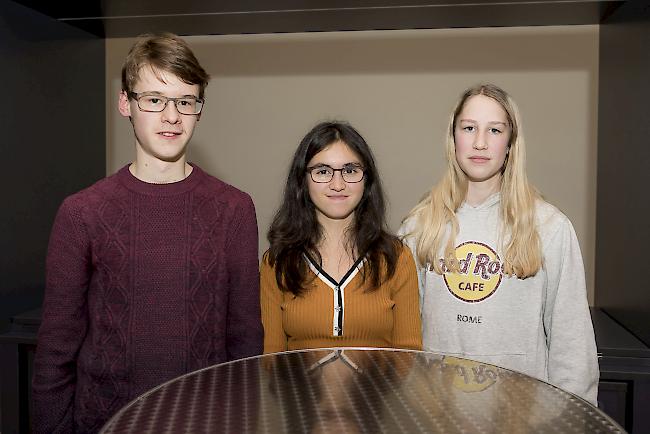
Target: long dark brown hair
(295, 229)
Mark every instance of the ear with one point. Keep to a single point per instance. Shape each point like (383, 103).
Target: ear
(124, 105)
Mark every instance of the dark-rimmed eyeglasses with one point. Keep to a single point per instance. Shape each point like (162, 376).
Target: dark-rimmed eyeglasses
(323, 173)
(155, 103)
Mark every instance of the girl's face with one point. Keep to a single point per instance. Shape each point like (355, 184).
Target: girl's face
(481, 135)
(335, 199)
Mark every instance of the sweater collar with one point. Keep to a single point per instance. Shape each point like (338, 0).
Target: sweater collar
(491, 201)
(134, 184)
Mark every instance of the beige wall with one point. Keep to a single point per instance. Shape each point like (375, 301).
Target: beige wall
(397, 88)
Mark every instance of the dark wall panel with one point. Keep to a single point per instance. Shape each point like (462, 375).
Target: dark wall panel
(53, 139)
(124, 18)
(623, 210)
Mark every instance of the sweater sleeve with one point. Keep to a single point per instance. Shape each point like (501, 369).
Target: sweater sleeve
(64, 323)
(275, 339)
(572, 359)
(244, 328)
(407, 328)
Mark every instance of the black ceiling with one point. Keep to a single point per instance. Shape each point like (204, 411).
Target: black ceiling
(123, 18)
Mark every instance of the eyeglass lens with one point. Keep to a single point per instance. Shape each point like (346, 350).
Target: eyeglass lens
(157, 103)
(350, 173)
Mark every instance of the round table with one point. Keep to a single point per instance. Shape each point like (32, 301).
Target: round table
(357, 391)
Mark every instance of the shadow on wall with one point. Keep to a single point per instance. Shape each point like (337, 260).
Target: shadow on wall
(398, 52)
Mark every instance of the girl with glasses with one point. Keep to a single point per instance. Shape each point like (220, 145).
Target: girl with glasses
(333, 276)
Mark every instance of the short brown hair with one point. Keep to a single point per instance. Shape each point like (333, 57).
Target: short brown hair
(163, 52)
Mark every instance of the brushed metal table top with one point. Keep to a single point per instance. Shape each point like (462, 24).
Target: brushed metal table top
(358, 391)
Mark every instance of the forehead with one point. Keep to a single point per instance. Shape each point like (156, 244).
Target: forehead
(167, 83)
(335, 154)
(483, 108)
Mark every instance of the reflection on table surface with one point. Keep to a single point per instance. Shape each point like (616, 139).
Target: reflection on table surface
(358, 391)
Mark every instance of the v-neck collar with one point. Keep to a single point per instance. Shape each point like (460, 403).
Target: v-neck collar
(338, 290)
(329, 280)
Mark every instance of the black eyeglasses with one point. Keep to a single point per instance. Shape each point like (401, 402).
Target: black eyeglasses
(323, 173)
(155, 103)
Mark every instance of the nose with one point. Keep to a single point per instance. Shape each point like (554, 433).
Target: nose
(170, 113)
(337, 183)
(480, 142)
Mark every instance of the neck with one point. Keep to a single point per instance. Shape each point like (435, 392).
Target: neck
(156, 171)
(334, 232)
(477, 192)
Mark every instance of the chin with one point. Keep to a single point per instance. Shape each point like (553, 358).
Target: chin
(170, 159)
(337, 216)
(478, 176)
(170, 155)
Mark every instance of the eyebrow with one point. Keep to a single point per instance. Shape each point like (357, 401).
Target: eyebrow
(343, 165)
(155, 92)
(489, 123)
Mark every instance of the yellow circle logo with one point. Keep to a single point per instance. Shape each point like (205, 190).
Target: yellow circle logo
(471, 376)
(480, 272)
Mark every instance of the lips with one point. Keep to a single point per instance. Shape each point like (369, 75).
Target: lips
(337, 197)
(479, 160)
(169, 134)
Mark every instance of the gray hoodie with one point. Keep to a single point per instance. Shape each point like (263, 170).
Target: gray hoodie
(539, 325)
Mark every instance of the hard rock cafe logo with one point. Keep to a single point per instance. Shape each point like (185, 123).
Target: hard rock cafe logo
(471, 376)
(480, 272)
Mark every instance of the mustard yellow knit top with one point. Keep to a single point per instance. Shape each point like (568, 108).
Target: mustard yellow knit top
(341, 314)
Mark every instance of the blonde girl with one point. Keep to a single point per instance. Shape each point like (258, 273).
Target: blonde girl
(500, 269)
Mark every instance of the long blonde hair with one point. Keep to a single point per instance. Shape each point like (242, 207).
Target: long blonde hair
(435, 215)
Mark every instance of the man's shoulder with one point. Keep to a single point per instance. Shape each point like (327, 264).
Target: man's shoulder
(216, 188)
(92, 196)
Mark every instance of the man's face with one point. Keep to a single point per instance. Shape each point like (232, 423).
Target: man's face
(164, 135)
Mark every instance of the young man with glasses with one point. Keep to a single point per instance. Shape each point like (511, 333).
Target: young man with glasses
(151, 272)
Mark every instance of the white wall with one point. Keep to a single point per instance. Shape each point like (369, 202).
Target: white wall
(397, 88)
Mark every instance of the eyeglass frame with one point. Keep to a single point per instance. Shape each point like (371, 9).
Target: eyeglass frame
(136, 97)
(358, 166)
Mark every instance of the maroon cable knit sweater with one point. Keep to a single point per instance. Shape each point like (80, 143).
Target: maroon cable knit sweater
(145, 282)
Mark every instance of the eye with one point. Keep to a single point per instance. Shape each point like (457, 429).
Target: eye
(152, 100)
(495, 131)
(323, 170)
(351, 169)
(469, 128)
(187, 102)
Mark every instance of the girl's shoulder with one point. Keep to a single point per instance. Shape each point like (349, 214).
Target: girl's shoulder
(546, 213)
(403, 250)
(407, 227)
(550, 220)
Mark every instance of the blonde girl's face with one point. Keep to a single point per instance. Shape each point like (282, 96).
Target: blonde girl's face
(481, 136)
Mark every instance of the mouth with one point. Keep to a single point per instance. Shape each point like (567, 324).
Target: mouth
(337, 197)
(479, 160)
(169, 134)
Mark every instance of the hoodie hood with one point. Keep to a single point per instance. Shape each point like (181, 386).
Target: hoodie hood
(489, 203)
